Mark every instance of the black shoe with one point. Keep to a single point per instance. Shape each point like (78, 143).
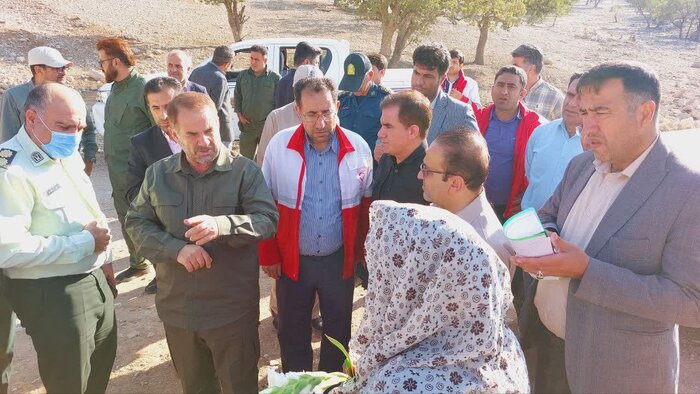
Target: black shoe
(151, 287)
(130, 273)
(317, 324)
(275, 323)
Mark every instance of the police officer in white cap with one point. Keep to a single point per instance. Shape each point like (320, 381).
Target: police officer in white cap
(47, 65)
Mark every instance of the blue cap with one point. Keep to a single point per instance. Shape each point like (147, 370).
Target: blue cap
(355, 67)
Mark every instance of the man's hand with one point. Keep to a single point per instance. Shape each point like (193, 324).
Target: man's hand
(568, 261)
(456, 94)
(193, 258)
(204, 229)
(273, 271)
(378, 151)
(243, 119)
(88, 166)
(101, 235)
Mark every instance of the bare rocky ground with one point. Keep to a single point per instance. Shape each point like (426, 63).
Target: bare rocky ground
(584, 38)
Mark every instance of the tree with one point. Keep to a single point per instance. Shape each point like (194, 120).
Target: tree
(615, 9)
(405, 19)
(682, 14)
(538, 10)
(236, 16)
(491, 14)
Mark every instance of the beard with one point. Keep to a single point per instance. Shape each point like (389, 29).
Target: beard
(110, 74)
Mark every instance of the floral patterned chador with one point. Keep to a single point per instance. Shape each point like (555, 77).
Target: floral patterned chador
(435, 309)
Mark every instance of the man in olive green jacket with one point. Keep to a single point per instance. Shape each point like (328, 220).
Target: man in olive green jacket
(254, 99)
(126, 114)
(198, 217)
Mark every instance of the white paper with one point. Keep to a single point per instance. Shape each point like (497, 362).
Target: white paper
(527, 236)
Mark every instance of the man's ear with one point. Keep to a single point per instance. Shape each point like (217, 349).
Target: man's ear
(523, 92)
(645, 113)
(30, 119)
(414, 131)
(456, 183)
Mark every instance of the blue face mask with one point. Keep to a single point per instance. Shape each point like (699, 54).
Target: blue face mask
(62, 145)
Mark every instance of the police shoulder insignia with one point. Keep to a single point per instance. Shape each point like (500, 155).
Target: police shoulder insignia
(385, 90)
(6, 157)
(343, 93)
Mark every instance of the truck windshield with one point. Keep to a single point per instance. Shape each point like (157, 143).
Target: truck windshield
(287, 59)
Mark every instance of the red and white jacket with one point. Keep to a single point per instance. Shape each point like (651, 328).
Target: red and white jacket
(528, 123)
(284, 169)
(465, 85)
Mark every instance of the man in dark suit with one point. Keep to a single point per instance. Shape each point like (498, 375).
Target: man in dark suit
(155, 143)
(213, 77)
(179, 65)
(430, 64)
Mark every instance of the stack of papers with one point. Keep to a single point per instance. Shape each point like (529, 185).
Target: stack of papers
(527, 235)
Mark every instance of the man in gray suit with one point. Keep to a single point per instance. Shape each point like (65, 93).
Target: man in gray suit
(628, 213)
(213, 77)
(430, 64)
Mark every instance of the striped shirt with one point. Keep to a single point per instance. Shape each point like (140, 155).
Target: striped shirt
(545, 99)
(321, 228)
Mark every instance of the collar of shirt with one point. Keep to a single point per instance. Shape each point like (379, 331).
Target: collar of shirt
(561, 128)
(126, 80)
(174, 146)
(417, 154)
(536, 85)
(37, 155)
(333, 146)
(474, 209)
(604, 167)
(223, 163)
(432, 103)
(517, 116)
(264, 74)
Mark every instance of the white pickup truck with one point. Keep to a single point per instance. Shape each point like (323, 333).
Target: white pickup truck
(280, 57)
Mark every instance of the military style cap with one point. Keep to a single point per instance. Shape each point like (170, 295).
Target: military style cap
(356, 66)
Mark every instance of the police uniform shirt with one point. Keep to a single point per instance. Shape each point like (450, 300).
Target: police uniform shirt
(362, 114)
(44, 204)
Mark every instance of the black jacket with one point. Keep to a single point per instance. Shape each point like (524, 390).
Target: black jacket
(147, 147)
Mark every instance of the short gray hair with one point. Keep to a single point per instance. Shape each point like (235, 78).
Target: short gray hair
(186, 59)
(222, 55)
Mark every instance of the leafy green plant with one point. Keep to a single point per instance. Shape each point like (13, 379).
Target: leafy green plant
(347, 364)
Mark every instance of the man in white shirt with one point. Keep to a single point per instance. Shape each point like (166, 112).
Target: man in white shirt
(453, 172)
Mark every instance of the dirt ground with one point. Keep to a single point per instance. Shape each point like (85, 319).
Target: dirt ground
(584, 38)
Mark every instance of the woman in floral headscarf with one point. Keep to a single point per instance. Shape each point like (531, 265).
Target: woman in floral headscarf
(435, 308)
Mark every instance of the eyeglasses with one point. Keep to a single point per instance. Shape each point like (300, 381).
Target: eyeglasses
(425, 170)
(314, 117)
(99, 62)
